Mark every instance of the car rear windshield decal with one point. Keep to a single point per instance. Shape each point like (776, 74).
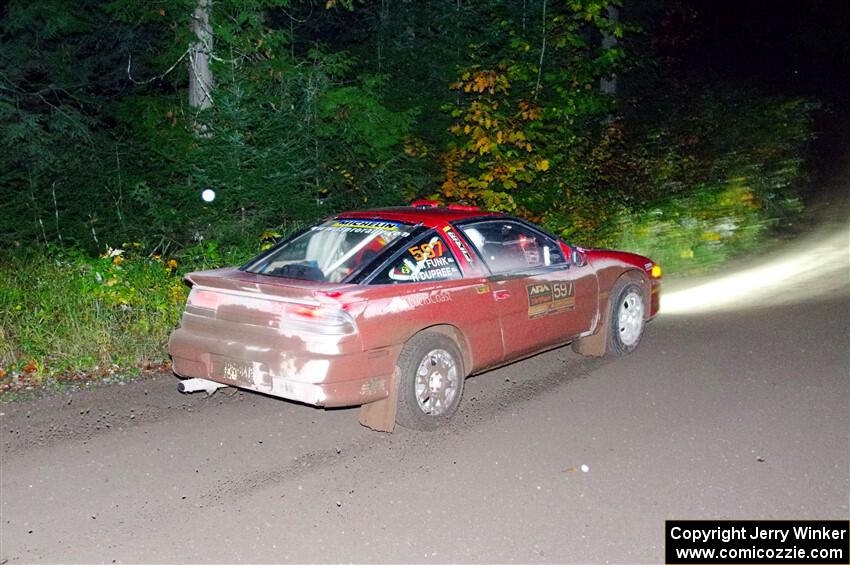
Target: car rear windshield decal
(546, 298)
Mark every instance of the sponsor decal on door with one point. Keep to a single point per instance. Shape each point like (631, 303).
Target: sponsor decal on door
(545, 298)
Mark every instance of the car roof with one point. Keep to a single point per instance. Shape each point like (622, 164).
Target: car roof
(431, 217)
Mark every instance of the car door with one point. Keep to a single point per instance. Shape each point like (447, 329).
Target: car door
(422, 286)
(543, 299)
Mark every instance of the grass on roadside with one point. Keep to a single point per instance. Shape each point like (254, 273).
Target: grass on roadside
(66, 317)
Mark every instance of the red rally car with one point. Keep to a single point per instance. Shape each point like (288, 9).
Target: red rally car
(392, 309)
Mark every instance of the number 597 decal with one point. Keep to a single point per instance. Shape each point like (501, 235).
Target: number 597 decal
(427, 250)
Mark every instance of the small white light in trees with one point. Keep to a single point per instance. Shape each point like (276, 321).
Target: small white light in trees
(208, 195)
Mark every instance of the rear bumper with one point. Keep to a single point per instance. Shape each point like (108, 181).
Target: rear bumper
(343, 379)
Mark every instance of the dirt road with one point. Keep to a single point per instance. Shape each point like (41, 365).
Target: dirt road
(736, 414)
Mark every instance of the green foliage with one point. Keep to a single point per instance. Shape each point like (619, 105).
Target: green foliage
(64, 314)
(64, 311)
(701, 186)
(522, 114)
(58, 67)
(101, 147)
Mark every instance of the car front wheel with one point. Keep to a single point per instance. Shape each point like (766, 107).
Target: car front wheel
(627, 318)
(431, 376)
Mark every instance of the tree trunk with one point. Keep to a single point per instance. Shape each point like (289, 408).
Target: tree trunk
(608, 85)
(200, 75)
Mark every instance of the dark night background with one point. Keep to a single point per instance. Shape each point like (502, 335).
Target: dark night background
(783, 47)
(789, 48)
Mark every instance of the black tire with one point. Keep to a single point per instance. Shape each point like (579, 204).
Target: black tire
(426, 402)
(627, 318)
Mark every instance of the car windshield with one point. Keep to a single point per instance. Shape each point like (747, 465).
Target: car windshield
(330, 251)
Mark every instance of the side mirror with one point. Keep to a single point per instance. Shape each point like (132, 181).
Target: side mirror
(577, 257)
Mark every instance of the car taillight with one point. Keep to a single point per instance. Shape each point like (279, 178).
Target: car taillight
(203, 299)
(319, 319)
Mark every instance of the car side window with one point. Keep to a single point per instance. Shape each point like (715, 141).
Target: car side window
(508, 246)
(427, 259)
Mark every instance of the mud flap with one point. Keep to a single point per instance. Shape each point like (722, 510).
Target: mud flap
(380, 415)
(597, 344)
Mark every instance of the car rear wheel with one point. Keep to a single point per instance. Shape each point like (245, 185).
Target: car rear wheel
(431, 375)
(627, 318)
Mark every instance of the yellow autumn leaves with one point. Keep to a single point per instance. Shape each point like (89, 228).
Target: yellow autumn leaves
(482, 81)
(494, 152)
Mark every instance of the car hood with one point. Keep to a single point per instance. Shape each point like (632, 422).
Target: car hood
(597, 256)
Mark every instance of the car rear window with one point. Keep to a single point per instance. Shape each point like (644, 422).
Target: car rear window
(332, 250)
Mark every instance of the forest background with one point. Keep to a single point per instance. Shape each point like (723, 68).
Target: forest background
(599, 119)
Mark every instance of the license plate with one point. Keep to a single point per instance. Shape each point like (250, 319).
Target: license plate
(239, 371)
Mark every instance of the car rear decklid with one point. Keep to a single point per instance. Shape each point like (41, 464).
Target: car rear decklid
(285, 306)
